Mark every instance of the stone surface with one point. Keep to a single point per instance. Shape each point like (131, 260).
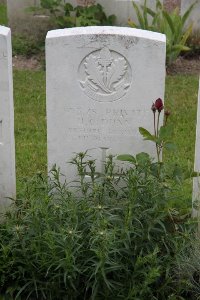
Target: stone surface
(29, 24)
(122, 9)
(7, 146)
(196, 180)
(194, 17)
(197, 149)
(170, 5)
(101, 82)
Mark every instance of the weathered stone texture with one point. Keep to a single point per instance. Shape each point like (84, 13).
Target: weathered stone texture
(101, 82)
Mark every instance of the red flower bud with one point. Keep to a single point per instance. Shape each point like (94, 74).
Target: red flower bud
(153, 108)
(159, 104)
(167, 113)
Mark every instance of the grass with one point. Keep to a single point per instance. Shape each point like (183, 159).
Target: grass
(30, 122)
(181, 98)
(3, 15)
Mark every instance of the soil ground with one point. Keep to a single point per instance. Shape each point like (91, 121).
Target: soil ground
(32, 63)
(185, 66)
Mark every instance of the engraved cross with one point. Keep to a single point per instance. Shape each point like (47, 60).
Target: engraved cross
(103, 158)
(3, 55)
(1, 133)
(103, 161)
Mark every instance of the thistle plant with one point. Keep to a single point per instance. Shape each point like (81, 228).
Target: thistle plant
(160, 137)
(162, 134)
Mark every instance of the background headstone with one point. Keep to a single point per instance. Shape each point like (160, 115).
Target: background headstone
(194, 17)
(170, 5)
(7, 145)
(101, 82)
(24, 22)
(122, 9)
(196, 180)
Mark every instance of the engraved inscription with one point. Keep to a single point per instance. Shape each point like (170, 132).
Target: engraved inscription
(103, 126)
(85, 2)
(1, 133)
(105, 75)
(2, 55)
(103, 159)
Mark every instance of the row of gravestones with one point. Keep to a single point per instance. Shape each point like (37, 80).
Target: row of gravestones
(101, 82)
(23, 22)
(122, 9)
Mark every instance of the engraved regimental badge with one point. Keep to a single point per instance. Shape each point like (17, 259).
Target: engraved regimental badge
(105, 75)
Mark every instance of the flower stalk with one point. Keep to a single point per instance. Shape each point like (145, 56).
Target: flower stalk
(157, 107)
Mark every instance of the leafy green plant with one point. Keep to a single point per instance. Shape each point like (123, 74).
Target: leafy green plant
(161, 138)
(113, 236)
(67, 16)
(189, 267)
(26, 46)
(193, 43)
(109, 243)
(170, 23)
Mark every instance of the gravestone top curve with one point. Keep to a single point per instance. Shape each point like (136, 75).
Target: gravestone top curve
(108, 30)
(4, 30)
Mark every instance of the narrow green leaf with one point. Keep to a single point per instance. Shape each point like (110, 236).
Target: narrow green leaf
(165, 132)
(150, 11)
(188, 12)
(146, 134)
(145, 15)
(139, 15)
(127, 157)
(170, 146)
(168, 18)
(179, 48)
(186, 35)
(132, 24)
(142, 157)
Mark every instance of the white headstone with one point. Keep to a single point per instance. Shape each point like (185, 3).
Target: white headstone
(25, 22)
(196, 180)
(101, 82)
(122, 9)
(194, 17)
(7, 145)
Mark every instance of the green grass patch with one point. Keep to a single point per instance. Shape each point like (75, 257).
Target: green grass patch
(27, 46)
(181, 99)
(30, 123)
(3, 15)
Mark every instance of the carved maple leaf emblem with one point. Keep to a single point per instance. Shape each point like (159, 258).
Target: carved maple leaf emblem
(95, 74)
(104, 71)
(116, 71)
